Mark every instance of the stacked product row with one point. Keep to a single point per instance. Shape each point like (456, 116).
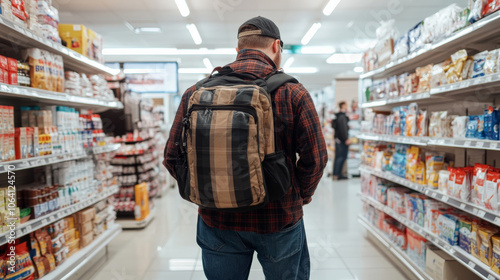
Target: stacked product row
(411, 121)
(479, 184)
(42, 18)
(457, 228)
(48, 130)
(460, 67)
(42, 251)
(391, 47)
(56, 187)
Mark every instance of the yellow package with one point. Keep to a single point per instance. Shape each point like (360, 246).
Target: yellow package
(495, 258)
(475, 240)
(420, 173)
(76, 37)
(39, 71)
(412, 159)
(485, 249)
(454, 71)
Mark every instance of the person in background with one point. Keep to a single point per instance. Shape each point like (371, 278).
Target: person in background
(341, 126)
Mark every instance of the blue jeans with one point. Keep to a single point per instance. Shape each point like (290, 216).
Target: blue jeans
(227, 255)
(341, 152)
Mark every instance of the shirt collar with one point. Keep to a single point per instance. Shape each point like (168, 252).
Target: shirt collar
(255, 55)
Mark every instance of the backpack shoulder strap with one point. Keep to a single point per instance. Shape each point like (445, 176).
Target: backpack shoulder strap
(277, 79)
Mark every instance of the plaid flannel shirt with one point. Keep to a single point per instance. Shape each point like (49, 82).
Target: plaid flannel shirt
(299, 132)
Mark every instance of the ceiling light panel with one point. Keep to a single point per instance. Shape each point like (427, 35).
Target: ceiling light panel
(344, 58)
(332, 4)
(310, 33)
(194, 33)
(183, 7)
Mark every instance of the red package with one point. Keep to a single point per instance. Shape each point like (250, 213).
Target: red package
(18, 9)
(491, 190)
(13, 78)
(478, 180)
(4, 63)
(12, 64)
(490, 7)
(451, 180)
(5, 76)
(1, 75)
(23, 265)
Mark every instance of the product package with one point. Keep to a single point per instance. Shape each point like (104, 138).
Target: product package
(478, 183)
(455, 69)
(412, 160)
(415, 39)
(450, 228)
(490, 7)
(485, 250)
(464, 240)
(416, 248)
(476, 10)
(481, 133)
(491, 62)
(411, 120)
(490, 198)
(495, 256)
(401, 47)
(422, 120)
(459, 127)
(462, 187)
(438, 74)
(479, 61)
(472, 127)
(424, 78)
(434, 162)
(443, 180)
(475, 240)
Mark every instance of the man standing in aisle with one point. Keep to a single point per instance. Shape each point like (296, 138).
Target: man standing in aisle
(276, 231)
(341, 126)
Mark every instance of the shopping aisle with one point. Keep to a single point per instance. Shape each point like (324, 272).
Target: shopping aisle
(167, 248)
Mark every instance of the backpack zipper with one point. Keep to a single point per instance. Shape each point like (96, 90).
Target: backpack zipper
(242, 108)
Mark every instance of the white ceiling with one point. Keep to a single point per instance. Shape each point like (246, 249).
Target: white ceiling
(350, 28)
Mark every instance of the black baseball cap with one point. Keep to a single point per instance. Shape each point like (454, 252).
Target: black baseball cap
(265, 26)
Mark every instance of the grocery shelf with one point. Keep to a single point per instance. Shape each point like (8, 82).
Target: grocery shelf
(104, 149)
(472, 263)
(395, 250)
(51, 159)
(20, 37)
(487, 85)
(40, 161)
(57, 98)
(432, 53)
(72, 264)
(32, 225)
(465, 206)
(133, 224)
(468, 143)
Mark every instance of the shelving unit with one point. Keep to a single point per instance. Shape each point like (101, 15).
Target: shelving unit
(32, 225)
(20, 36)
(465, 206)
(51, 159)
(473, 34)
(398, 253)
(443, 142)
(474, 264)
(68, 269)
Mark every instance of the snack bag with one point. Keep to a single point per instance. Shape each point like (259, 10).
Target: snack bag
(412, 159)
(451, 181)
(488, 122)
(491, 63)
(438, 74)
(424, 78)
(465, 225)
(472, 125)
(485, 235)
(420, 177)
(479, 61)
(478, 183)
(495, 123)
(397, 121)
(24, 269)
(39, 74)
(490, 7)
(401, 84)
(434, 163)
(459, 127)
(434, 125)
(468, 68)
(449, 228)
(462, 184)
(411, 120)
(495, 257)
(444, 175)
(422, 130)
(475, 239)
(480, 134)
(476, 12)
(491, 185)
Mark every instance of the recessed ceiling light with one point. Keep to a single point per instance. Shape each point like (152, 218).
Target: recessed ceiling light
(344, 58)
(310, 33)
(358, 69)
(332, 4)
(148, 30)
(194, 33)
(183, 7)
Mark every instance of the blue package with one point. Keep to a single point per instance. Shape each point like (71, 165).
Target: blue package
(404, 113)
(449, 228)
(488, 123)
(495, 122)
(415, 37)
(480, 134)
(472, 127)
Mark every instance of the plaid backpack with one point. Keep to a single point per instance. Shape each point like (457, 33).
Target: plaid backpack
(228, 160)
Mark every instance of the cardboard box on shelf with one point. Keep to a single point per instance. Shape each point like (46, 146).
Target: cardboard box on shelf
(85, 228)
(86, 239)
(85, 216)
(76, 37)
(441, 266)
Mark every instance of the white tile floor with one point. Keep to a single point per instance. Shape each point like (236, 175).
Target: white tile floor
(167, 248)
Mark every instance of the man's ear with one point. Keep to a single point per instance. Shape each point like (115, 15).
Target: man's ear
(276, 46)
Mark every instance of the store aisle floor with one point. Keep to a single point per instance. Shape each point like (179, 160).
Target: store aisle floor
(167, 248)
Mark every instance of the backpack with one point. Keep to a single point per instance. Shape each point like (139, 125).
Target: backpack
(228, 160)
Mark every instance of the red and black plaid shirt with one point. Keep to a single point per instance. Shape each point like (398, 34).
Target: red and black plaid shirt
(301, 136)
